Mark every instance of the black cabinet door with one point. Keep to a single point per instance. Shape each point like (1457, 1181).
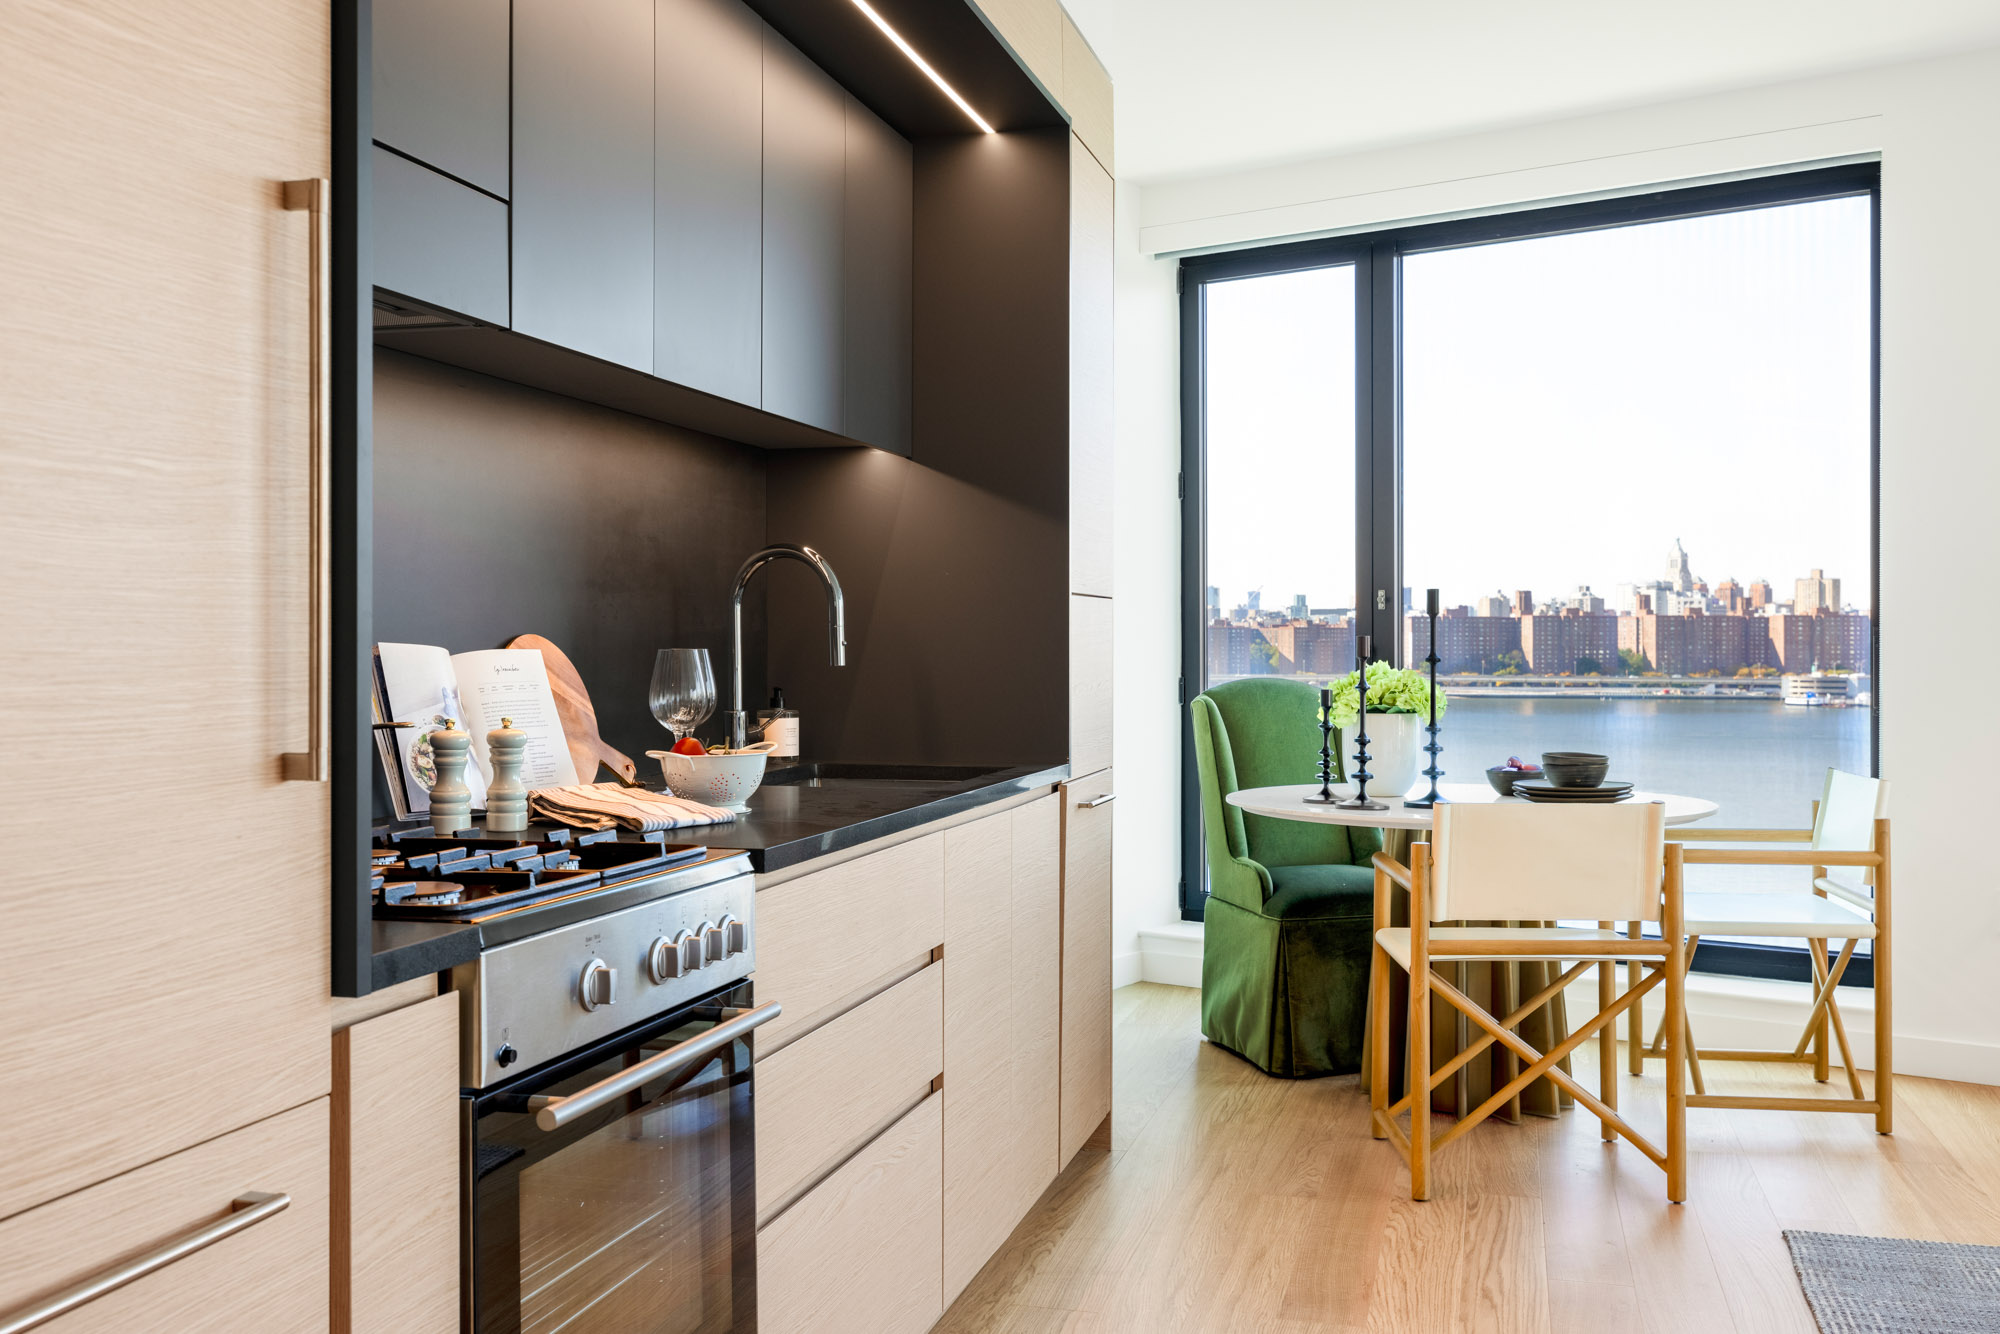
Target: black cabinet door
(805, 135)
(439, 242)
(708, 197)
(583, 176)
(875, 283)
(440, 85)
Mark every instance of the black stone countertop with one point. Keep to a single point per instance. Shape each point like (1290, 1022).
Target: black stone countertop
(801, 812)
(811, 810)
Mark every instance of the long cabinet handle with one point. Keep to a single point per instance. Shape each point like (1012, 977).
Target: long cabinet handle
(1103, 799)
(246, 1210)
(555, 1113)
(313, 764)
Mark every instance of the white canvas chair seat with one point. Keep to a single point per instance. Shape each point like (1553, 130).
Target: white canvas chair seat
(1527, 863)
(1778, 915)
(1537, 942)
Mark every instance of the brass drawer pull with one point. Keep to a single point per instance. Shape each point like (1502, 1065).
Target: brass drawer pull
(312, 765)
(246, 1210)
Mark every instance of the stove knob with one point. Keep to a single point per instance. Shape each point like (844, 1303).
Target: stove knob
(694, 948)
(739, 936)
(598, 986)
(506, 1056)
(663, 960)
(718, 939)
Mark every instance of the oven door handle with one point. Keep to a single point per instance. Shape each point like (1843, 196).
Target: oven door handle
(555, 1113)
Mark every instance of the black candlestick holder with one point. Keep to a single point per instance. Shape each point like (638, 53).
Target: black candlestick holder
(1325, 796)
(1360, 800)
(1431, 747)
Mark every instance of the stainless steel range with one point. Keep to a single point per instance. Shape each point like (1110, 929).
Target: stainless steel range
(609, 1165)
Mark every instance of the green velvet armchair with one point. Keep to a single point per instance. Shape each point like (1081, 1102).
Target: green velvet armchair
(1284, 969)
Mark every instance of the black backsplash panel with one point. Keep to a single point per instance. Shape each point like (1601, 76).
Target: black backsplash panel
(502, 510)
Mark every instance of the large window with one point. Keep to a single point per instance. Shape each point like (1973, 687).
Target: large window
(1631, 442)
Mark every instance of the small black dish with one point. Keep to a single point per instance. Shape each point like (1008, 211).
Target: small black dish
(1566, 768)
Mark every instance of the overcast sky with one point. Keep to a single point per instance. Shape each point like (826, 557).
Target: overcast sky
(1572, 405)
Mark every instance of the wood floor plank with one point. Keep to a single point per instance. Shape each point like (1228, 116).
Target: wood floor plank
(1236, 1202)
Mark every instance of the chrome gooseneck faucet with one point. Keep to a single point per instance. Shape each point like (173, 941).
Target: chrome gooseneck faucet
(737, 721)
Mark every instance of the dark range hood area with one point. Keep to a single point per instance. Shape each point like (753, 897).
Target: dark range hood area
(489, 482)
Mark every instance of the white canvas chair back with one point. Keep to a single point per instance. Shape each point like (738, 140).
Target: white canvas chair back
(1540, 863)
(1849, 806)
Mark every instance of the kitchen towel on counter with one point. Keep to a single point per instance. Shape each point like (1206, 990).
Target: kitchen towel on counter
(601, 805)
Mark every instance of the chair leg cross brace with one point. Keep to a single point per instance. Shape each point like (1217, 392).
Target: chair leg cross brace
(1513, 1020)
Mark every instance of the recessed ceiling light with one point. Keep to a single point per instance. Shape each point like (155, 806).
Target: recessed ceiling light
(922, 64)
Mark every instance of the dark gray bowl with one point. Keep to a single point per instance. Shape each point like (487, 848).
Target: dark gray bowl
(1503, 779)
(1565, 768)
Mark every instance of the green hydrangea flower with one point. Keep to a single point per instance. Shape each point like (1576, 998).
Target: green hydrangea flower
(1390, 690)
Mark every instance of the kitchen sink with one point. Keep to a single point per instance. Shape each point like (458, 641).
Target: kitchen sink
(878, 773)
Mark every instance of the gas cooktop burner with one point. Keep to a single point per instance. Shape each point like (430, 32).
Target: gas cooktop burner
(420, 875)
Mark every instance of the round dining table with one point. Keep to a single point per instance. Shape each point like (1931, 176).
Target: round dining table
(1289, 802)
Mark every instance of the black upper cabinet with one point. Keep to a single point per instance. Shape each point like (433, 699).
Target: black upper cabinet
(876, 277)
(440, 86)
(708, 197)
(805, 138)
(438, 242)
(583, 176)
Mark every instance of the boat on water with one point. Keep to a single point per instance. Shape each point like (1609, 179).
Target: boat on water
(1816, 690)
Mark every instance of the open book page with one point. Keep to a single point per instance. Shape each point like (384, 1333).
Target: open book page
(420, 687)
(499, 683)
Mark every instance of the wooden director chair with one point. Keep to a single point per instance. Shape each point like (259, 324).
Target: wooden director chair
(1849, 902)
(1529, 863)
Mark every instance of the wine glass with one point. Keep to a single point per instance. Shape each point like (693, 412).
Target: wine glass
(683, 691)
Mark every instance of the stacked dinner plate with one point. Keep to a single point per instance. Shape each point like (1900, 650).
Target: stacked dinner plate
(1542, 790)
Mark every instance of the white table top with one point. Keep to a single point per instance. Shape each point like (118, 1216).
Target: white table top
(1288, 803)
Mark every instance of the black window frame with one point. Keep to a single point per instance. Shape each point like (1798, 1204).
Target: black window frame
(1377, 257)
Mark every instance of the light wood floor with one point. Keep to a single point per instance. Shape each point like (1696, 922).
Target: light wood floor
(1233, 1201)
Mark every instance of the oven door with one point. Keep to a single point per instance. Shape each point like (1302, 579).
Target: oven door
(615, 1189)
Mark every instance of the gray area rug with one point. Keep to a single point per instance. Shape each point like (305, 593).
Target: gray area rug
(1879, 1285)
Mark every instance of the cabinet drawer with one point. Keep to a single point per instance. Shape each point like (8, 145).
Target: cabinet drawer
(270, 1277)
(825, 938)
(822, 1095)
(862, 1252)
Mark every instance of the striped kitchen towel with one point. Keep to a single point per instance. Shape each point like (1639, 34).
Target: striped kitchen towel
(602, 805)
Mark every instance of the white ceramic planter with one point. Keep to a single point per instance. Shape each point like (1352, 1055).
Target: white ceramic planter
(1395, 754)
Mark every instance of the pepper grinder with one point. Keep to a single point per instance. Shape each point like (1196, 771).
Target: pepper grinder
(451, 799)
(507, 795)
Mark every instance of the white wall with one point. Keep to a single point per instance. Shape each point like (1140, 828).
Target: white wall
(1147, 636)
(1935, 124)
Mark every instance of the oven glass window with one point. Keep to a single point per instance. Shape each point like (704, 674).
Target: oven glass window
(637, 1218)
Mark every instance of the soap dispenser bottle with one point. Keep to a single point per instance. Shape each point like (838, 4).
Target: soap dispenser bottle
(780, 726)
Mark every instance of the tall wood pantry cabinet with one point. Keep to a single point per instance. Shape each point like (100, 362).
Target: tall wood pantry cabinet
(163, 1023)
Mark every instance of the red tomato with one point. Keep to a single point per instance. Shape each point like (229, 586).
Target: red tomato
(687, 745)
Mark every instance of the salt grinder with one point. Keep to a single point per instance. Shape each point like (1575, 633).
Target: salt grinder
(451, 799)
(506, 795)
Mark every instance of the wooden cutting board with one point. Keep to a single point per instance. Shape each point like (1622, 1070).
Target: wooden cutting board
(578, 716)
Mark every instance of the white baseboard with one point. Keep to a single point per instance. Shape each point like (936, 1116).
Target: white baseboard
(1127, 968)
(1737, 1012)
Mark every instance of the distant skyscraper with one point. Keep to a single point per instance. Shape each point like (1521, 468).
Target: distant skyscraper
(1214, 602)
(1524, 602)
(1493, 605)
(1256, 599)
(1816, 593)
(1758, 595)
(1298, 606)
(1678, 573)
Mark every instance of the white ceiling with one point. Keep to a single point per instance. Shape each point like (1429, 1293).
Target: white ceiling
(1209, 85)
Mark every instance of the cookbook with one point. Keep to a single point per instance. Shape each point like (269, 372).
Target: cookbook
(425, 686)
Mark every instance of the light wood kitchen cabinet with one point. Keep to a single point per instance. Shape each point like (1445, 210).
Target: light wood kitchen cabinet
(877, 235)
(1001, 1029)
(860, 1253)
(830, 1091)
(1086, 94)
(1086, 960)
(1092, 391)
(270, 1276)
(1034, 29)
(805, 162)
(582, 199)
(1089, 685)
(708, 197)
(156, 471)
(827, 940)
(439, 94)
(395, 1150)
